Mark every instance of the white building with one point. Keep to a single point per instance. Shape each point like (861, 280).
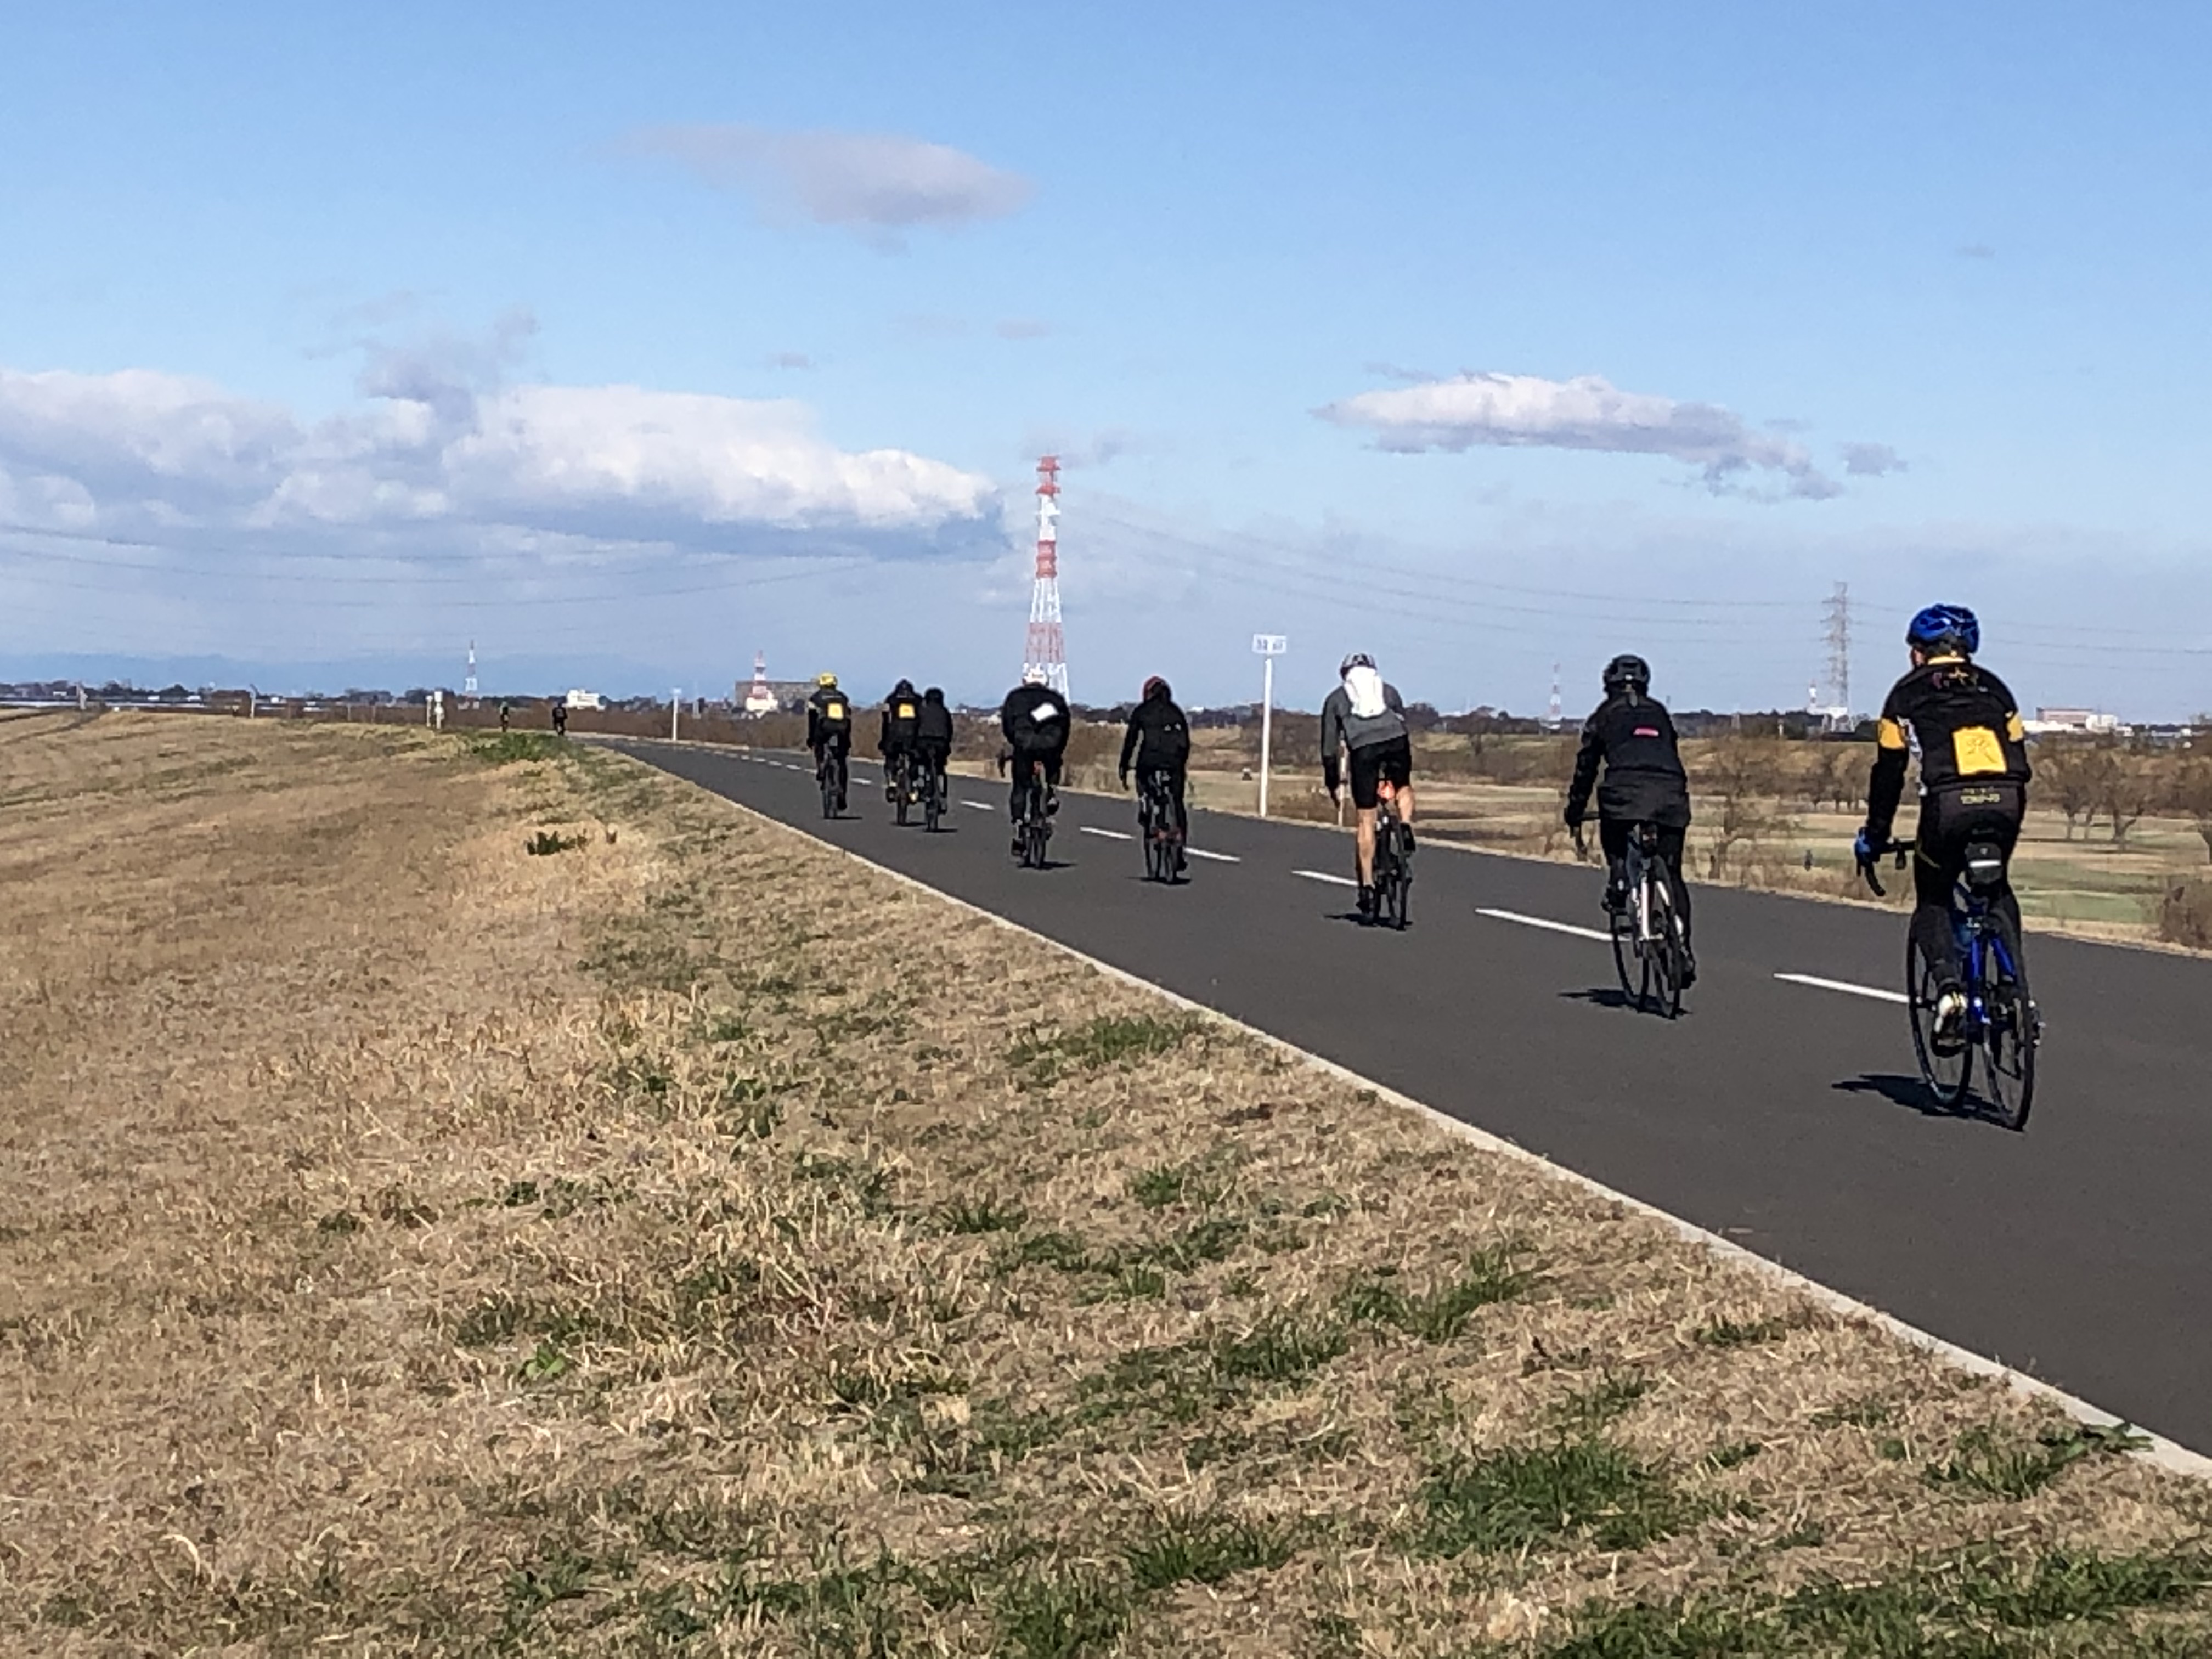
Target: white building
(581, 699)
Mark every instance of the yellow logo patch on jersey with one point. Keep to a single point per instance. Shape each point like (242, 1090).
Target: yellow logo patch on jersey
(906, 711)
(1977, 752)
(834, 711)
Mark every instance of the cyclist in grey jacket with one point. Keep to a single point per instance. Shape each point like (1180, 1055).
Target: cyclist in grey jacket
(1366, 718)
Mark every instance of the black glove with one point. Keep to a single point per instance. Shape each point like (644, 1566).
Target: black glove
(1124, 777)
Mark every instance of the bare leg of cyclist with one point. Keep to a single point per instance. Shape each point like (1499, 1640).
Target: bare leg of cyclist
(1405, 812)
(1363, 847)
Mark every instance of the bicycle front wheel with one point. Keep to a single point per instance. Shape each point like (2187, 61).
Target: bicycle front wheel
(2009, 1045)
(1946, 1066)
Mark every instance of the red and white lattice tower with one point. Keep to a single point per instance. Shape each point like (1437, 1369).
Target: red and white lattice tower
(1047, 646)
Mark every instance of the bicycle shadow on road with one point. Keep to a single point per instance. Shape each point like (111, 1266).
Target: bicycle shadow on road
(1912, 1093)
(1603, 996)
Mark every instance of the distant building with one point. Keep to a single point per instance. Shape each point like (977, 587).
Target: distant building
(581, 699)
(2080, 722)
(759, 698)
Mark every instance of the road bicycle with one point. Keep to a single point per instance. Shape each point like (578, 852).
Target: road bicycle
(899, 783)
(1393, 863)
(1158, 828)
(2001, 1023)
(830, 771)
(933, 795)
(1033, 830)
(1648, 952)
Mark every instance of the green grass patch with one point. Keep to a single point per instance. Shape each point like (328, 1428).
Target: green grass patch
(1045, 1056)
(982, 1215)
(1207, 1548)
(1988, 1461)
(1734, 1333)
(509, 747)
(546, 842)
(1569, 1490)
(1974, 1605)
(1440, 1313)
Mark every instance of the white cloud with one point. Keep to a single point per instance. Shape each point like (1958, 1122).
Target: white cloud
(1588, 412)
(140, 449)
(1871, 460)
(877, 183)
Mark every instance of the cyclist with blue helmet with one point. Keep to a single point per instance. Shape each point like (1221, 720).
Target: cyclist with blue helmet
(1973, 781)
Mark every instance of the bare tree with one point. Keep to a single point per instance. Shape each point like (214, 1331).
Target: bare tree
(2129, 789)
(2070, 774)
(1744, 776)
(2192, 796)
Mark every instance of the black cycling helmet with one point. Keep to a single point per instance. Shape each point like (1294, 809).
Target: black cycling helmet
(1155, 686)
(1945, 629)
(1627, 672)
(904, 689)
(935, 694)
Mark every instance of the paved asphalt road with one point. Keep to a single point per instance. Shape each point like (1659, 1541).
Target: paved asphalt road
(1784, 1116)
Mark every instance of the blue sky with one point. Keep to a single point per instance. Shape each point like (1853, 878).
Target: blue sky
(327, 344)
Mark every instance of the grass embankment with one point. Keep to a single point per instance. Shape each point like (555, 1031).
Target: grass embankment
(456, 1205)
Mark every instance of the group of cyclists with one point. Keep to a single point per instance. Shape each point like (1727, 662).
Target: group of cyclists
(1961, 718)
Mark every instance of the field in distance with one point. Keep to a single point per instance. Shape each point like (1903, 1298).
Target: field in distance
(474, 1193)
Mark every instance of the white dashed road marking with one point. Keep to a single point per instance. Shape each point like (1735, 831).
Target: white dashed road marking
(1547, 924)
(1846, 986)
(1322, 875)
(1218, 858)
(980, 806)
(1110, 835)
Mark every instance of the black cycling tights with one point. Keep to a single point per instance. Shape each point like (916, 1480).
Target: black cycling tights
(1613, 836)
(1023, 766)
(1936, 868)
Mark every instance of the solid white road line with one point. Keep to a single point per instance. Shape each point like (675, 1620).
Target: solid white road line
(980, 806)
(1547, 925)
(1322, 875)
(1110, 835)
(1218, 858)
(1846, 986)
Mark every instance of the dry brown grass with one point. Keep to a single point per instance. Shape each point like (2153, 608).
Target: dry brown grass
(694, 1241)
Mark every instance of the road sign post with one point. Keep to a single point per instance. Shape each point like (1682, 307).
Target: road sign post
(675, 703)
(1267, 647)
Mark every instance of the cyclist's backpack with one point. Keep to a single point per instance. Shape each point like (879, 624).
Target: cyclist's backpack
(1362, 688)
(836, 714)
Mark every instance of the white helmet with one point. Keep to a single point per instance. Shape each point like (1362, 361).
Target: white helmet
(1356, 659)
(1032, 674)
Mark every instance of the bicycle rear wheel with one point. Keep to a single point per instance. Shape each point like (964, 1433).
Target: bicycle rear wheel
(828, 776)
(1665, 954)
(2008, 1043)
(1946, 1067)
(932, 804)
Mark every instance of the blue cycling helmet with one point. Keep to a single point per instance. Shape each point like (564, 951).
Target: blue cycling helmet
(1945, 627)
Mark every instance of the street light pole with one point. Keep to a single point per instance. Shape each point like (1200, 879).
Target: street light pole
(675, 703)
(1268, 647)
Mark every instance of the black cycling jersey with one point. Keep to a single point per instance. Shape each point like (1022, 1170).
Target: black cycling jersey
(1632, 737)
(1967, 726)
(1035, 720)
(1157, 737)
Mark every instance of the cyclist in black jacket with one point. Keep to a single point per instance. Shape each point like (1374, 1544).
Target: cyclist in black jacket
(1158, 739)
(1035, 720)
(901, 720)
(933, 734)
(1632, 737)
(829, 729)
(1973, 783)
